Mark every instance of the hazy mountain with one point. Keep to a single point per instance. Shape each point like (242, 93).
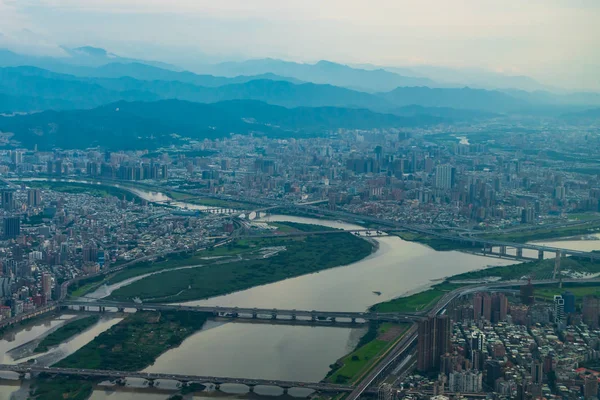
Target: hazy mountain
(545, 97)
(447, 113)
(465, 98)
(590, 114)
(33, 88)
(324, 72)
(151, 124)
(472, 77)
(76, 92)
(79, 57)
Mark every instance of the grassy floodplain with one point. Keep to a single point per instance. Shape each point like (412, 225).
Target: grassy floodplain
(134, 343)
(294, 256)
(65, 332)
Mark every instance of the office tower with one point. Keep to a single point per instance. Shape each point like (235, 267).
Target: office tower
(590, 388)
(444, 176)
(569, 299)
(8, 199)
(477, 306)
(527, 292)
(434, 341)
(34, 197)
(537, 372)
(12, 227)
(559, 309)
(493, 371)
(591, 311)
(527, 215)
(47, 286)
(487, 307)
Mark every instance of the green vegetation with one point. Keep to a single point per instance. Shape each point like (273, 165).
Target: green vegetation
(68, 330)
(578, 289)
(538, 269)
(78, 188)
(60, 387)
(417, 302)
(302, 255)
(433, 242)
(372, 346)
(136, 342)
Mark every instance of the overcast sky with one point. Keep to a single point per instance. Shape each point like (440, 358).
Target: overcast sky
(554, 41)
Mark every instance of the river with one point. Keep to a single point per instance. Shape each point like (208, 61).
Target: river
(265, 351)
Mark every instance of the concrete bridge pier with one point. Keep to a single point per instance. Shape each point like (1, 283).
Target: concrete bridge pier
(81, 308)
(254, 315)
(251, 388)
(286, 390)
(333, 320)
(21, 376)
(313, 318)
(121, 309)
(150, 382)
(235, 315)
(353, 320)
(274, 316)
(519, 252)
(503, 250)
(293, 317)
(217, 386)
(540, 255)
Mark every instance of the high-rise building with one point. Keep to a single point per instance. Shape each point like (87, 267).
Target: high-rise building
(487, 307)
(8, 199)
(12, 227)
(527, 292)
(493, 371)
(477, 306)
(569, 299)
(16, 157)
(537, 372)
(444, 176)
(591, 311)
(47, 286)
(34, 197)
(590, 388)
(559, 309)
(90, 253)
(434, 341)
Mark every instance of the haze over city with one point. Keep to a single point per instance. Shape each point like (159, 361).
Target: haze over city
(328, 200)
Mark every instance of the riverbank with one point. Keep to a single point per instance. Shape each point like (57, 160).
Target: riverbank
(134, 343)
(65, 332)
(539, 270)
(265, 261)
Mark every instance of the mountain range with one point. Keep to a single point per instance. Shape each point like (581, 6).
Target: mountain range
(35, 89)
(138, 125)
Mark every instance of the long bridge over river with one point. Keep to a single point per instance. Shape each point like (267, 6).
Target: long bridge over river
(255, 313)
(24, 369)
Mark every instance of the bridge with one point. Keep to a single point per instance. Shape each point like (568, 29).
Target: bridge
(23, 369)
(255, 313)
(487, 247)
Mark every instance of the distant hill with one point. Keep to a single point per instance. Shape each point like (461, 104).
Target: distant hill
(323, 72)
(143, 125)
(61, 91)
(465, 98)
(593, 113)
(447, 113)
